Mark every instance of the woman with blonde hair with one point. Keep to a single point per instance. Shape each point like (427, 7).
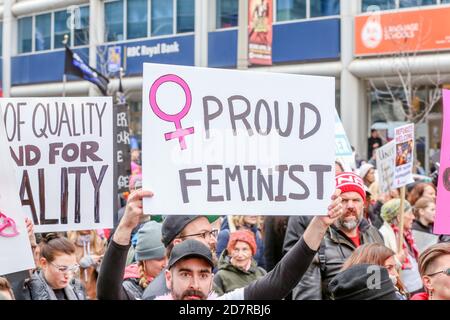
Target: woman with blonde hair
(423, 189)
(90, 248)
(424, 211)
(378, 254)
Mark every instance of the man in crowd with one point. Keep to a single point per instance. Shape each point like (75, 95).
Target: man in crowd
(191, 262)
(348, 232)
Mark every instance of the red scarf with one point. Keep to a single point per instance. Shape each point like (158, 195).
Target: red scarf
(410, 240)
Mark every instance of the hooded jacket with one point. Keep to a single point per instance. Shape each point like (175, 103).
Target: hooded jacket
(37, 288)
(335, 248)
(230, 277)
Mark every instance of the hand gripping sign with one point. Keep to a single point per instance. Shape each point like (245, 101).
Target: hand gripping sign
(5, 224)
(179, 133)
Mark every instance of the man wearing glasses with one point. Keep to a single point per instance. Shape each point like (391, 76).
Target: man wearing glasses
(175, 229)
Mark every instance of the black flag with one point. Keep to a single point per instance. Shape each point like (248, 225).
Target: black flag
(76, 66)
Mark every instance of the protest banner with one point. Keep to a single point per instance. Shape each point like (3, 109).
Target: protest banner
(385, 166)
(404, 158)
(227, 142)
(15, 248)
(260, 34)
(442, 219)
(344, 153)
(123, 158)
(62, 149)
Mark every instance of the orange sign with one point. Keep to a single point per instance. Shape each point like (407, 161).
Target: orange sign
(407, 31)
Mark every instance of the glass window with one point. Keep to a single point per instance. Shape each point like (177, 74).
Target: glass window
(227, 13)
(382, 4)
(416, 3)
(25, 34)
(137, 19)
(291, 9)
(42, 32)
(445, 1)
(162, 17)
(1, 39)
(321, 8)
(81, 26)
(61, 28)
(114, 21)
(185, 15)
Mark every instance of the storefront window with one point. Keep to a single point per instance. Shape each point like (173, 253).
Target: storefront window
(227, 13)
(382, 4)
(114, 21)
(291, 9)
(162, 17)
(81, 26)
(42, 36)
(25, 27)
(416, 3)
(319, 8)
(61, 28)
(137, 19)
(185, 16)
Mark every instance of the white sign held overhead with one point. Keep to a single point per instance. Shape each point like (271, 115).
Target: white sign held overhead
(226, 142)
(62, 149)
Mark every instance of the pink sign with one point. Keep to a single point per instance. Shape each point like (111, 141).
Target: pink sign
(442, 220)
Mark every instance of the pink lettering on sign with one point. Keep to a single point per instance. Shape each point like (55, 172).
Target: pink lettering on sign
(180, 132)
(442, 220)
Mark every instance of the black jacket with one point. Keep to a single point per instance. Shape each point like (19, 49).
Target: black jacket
(37, 288)
(336, 247)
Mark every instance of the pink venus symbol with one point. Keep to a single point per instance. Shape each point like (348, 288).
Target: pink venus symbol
(180, 132)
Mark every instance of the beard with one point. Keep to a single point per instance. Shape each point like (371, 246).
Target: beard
(349, 225)
(188, 293)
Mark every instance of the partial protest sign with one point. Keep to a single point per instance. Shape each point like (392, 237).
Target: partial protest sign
(226, 142)
(62, 149)
(386, 166)
(123, 158)
(404, 158)
(344, 152)
(15, 248)
(442, 219)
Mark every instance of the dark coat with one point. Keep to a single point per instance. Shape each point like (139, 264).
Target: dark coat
(37, 288)
(230, 277)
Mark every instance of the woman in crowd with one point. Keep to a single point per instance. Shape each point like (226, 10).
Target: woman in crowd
(377, 254)
(55, 279)
(232, 223)
(6, 292)
(434, 266)
(89, 249)
(237, 268)
(408, 254)
(424, 211)
(423, 189)
(367, 173)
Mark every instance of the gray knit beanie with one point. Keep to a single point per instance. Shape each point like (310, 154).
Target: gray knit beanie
(149, 245)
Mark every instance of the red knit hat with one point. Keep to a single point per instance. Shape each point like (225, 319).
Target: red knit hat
(242, 235)
(348, 181)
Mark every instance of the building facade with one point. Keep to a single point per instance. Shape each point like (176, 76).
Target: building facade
(316, 37)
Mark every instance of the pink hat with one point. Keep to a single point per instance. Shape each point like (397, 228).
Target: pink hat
(246, 236)
(348, 181)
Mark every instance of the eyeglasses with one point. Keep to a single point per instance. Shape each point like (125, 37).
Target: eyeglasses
(446, 272)
(65, 269)
(205, 234)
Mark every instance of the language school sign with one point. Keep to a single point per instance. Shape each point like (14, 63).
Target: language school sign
(227, 142)
(63, 150)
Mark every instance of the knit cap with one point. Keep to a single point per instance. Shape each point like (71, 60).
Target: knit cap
(348, 182)
(149, 245)
(391, 209)
(364, 170)
(242, 235)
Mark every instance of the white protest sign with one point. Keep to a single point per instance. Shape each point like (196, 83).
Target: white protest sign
(386, 166)
(227, 142)
(63, 152)
(404, 148)
(344, 153)
(15, 248)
